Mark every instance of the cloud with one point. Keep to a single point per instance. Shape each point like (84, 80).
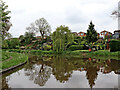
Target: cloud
(76, 14)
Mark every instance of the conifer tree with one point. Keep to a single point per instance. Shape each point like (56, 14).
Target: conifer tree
(91, 35)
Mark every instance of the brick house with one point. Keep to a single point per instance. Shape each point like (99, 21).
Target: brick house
(105, 33)
(81, 34)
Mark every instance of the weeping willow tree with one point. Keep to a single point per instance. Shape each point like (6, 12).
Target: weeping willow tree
(62, 37)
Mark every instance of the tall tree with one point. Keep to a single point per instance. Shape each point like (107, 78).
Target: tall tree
(91, 35)
(41, 25)
(62, 37)
(4, 20)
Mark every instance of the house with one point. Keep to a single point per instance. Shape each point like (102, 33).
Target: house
(81, 34)
(105, 33)
(75, 33)
(116, 34)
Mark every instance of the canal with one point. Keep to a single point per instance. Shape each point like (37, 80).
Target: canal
(61, 71)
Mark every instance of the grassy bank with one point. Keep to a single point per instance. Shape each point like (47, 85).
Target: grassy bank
(105, 53)
(10, 59)
(82, 53)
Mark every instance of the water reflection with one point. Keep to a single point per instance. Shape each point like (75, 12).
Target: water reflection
(62, 69)
(40, 68)
(38, 71)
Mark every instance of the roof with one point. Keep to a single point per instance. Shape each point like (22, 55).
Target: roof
(117, 31)
(82, 32)
(74, 32)
(103, 31)
(106, 31)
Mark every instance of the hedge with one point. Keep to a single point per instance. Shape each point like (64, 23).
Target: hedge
(114, 45)
(76, 47)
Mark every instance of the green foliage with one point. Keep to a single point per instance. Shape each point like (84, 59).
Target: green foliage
(91, 35)
(13, 43)
(22, 39)
(115, 45)
(18, 50)
(104, 53)
(4, 56)
(100, 46)
(5, 44)
(76, 47)
(28, 37)
(62, 37)
(4, 19)
(74, 43)
(47, 47)
(83, 42)
(108, 36)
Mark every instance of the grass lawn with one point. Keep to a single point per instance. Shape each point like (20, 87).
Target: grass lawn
(10, 59)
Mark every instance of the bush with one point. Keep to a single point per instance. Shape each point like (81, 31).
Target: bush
(76, 47)
(13, 43)
(74, 43)
(100, 46)
(83, 42)
(5, 45)
(47, 47)
(115, 45)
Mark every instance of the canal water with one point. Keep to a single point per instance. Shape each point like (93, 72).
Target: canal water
(64, 72)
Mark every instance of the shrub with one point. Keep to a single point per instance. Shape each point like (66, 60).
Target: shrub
(76, 47)
(74, 43)
(115, 45)
(13, 43)
(47, 47)
(5, 45)
(83, 42)
(100, 46)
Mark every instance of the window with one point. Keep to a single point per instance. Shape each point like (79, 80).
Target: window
(105, 32)
(116, 32)
(81, 34)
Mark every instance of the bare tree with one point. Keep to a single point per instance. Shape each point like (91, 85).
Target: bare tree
(115, 13)
(41, 26)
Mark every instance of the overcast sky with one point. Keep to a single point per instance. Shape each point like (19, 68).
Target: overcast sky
(76, 14)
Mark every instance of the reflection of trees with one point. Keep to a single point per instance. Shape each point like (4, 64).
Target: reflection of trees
(38, 71)
(111, 65)
(62, 69)
(115, 65)
(43, 75)
(40, 68)
(5, 83)
(91, 73)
